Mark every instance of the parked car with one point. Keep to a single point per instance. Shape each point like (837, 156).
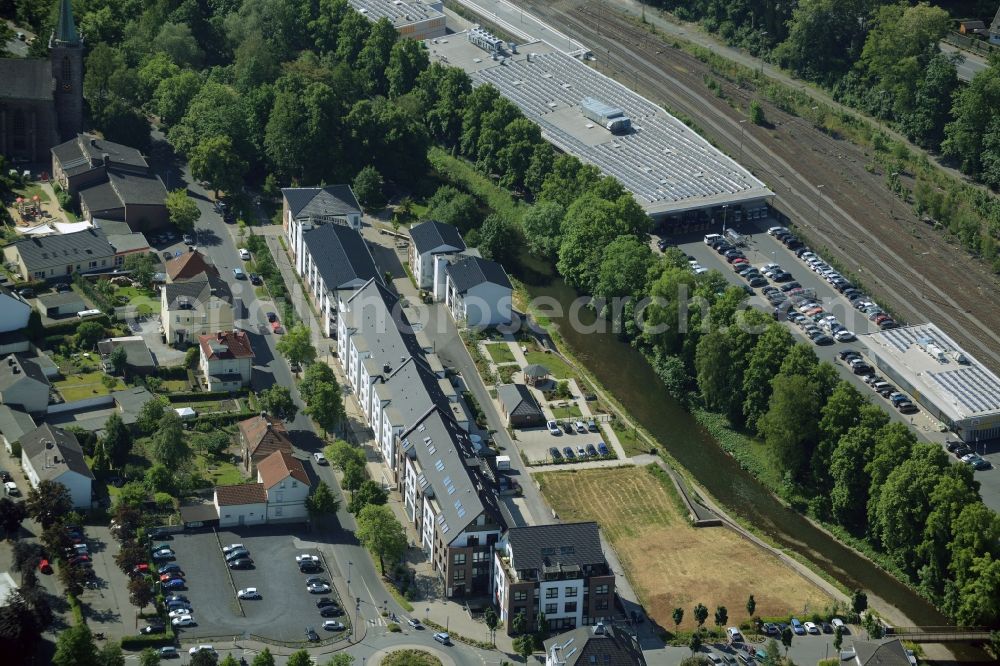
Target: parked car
(333, 625)
(326, 601)
(171, 576)
(811, 628)
(602, 448)
(178, 612)
(318, 588)
(201, 648)
(169, 652)
(152, 628)
(10, 488)
(553, 428)
(592, 425)
(442, 638)
(183, 621)
(44, 566)
(569, 453)
(169, 568)
(320, 458)
(256, 279)
(241, 563)
(797, 627)
(330, 611)
(244, 254)
(239, 274)
(174, 584)
(236, 554)
(554, 453)
(248, 593)
(311, 635)
(414, 622)
(306, 557)
(591, 450)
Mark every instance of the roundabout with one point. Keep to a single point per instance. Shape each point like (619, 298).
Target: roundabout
(410, 655)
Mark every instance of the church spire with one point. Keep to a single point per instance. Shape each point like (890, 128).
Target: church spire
(65, 32)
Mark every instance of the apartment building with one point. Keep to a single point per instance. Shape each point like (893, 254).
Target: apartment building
(559, 570)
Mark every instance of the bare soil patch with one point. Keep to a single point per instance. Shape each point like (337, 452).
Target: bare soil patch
(670, 563)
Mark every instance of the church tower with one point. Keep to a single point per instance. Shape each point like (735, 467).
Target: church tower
(66, 56)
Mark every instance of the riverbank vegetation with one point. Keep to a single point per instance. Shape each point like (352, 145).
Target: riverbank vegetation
(280, 92)
(669, 562)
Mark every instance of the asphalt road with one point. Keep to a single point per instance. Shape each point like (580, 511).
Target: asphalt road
(968, 65)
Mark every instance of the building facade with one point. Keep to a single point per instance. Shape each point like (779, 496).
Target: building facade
(194, 308)
(226, 360)
(53, 454)
(286, 486)
(430, 241)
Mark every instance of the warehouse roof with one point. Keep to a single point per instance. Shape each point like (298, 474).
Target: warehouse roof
(939, 370)
(663, 162)
(399, 12)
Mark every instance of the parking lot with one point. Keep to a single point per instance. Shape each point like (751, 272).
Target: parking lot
(535, 444)
(285, 608)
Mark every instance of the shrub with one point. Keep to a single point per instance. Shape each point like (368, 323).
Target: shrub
(756, 113)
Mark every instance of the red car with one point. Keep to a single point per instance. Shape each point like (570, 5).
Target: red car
(45, 567)
(276, 327)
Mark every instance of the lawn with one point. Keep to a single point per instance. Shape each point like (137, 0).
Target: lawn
(220, 473)
(555, 365)
(410, 658)
(629, 438)
(570, 411)
(670, 563)
(144, 300)
(31, 190)
(500, 352)
(86, 385)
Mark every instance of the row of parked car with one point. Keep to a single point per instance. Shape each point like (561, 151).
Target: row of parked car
(328, 607)
(818, 325)
(582, 452)
(964, 452)
(858, 366)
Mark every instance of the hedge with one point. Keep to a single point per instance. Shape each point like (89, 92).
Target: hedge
(205, 396)
(175, 372)
(143, 641)
(69, 327)
(227, 418)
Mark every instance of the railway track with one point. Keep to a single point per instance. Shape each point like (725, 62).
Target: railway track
(840, 204)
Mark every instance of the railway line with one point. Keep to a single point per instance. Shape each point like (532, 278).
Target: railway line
(821, 182)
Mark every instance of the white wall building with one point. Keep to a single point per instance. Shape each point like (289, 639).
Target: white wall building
(245, 504)
(286, 485)
(226, 360)
(479, 293)
(53, 454)
(431, 241)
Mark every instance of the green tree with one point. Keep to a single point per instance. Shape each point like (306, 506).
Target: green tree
(452, 207)
(368, 185)
(315, 375)
(932, 102)
(296, 345)
(524, 645)
(277, 400)
(838, 638)
(300, 658)
(825, 38)
(763, 364)
(169, 445)
(789, 426)
(264, 658)
(149, 657)
(859, 601)
(48, 502)
(407, 59)
(373, 58)
(368, 493)
(786, 639)
(140, 591)
(111, 655)
(840, 413)
(142, 265)
(721, 616)
(624, 268)
(12, 514)
(590, 224)
(173, 95)
(354, 475)
(104, 63)
(177, 42)
(499, 240)
(117, 439)
(215, 161)
(973, 114)
(756, 113)
(340, 659)
(75, 646)
(322, 502)
(183, 211)
(340, 454)
(214, 112)
(694, 643)
(678, 616)
(88, 333)
(849, 494)
(326, 406)
(492, 621)
(118, 359)
(541, 225)
(751, 607)
(700, 614)
(150, 414)
(381, 533)
(713, 365)
(204, 658)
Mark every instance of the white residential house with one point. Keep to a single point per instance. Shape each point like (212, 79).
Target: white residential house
(226, 360)
(23, 384)
(195, 307)
(14, 312)
(433, 243)
(245, 504)
(52, 454)
(479, 293)
(286, 485)
(305, 208)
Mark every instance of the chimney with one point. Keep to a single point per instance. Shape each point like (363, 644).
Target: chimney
(106, 158)
(48, 444)
(220, 336)
(93, 141)
(10, 360)
(16, 370)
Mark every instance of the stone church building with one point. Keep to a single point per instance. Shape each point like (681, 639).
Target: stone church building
(41, 101)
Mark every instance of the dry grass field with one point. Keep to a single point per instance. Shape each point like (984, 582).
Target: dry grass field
(670, 563)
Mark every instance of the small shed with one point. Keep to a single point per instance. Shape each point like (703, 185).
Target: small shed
(60, 304)
(519, 406)
(535, 374)
(971, 27)
(186, 413)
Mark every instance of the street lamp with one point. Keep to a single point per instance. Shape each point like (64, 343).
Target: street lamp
(725, 209)
(349, 563)
(819, 190)
(742, 123)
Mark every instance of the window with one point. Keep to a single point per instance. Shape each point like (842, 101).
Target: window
(40, 275)
(481, 556)
(601, 589)
(295, 484)
(570, 607)
(552, 593)
(460, 558)
(602, 604)
(520, 595)
(571, 592)
(551, 609)
(459, 575)
(93, 264)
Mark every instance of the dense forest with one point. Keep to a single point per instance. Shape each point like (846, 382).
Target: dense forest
(273, 92)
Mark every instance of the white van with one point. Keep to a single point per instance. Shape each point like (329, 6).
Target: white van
(711, 238)
(83, 314)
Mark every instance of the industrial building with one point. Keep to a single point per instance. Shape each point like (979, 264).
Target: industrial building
(675, 174)
(415, 19)
(947, 382)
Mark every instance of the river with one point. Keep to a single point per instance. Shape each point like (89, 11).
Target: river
(629, 377)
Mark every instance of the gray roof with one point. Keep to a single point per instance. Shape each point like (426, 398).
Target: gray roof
(332, 200)
(86, 151)
(517, 400)
(431, 234)
(137, 353)
(470, 272)
(398, 13)
(891, 653)
(138, 188)
(375, 315)
(341, 255)
(128, 242)
(563, 545)
(52, 451)
(100, 197)
(441, 448)
(596, 644)
(130, 401)
(412, 389)
(42, 252)
(995, 26)
(113, 227)
(65, 31)
(535, 370)
(24, 367)
(196, 292)
(14, 423)
(60, 298)
(26, 78)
